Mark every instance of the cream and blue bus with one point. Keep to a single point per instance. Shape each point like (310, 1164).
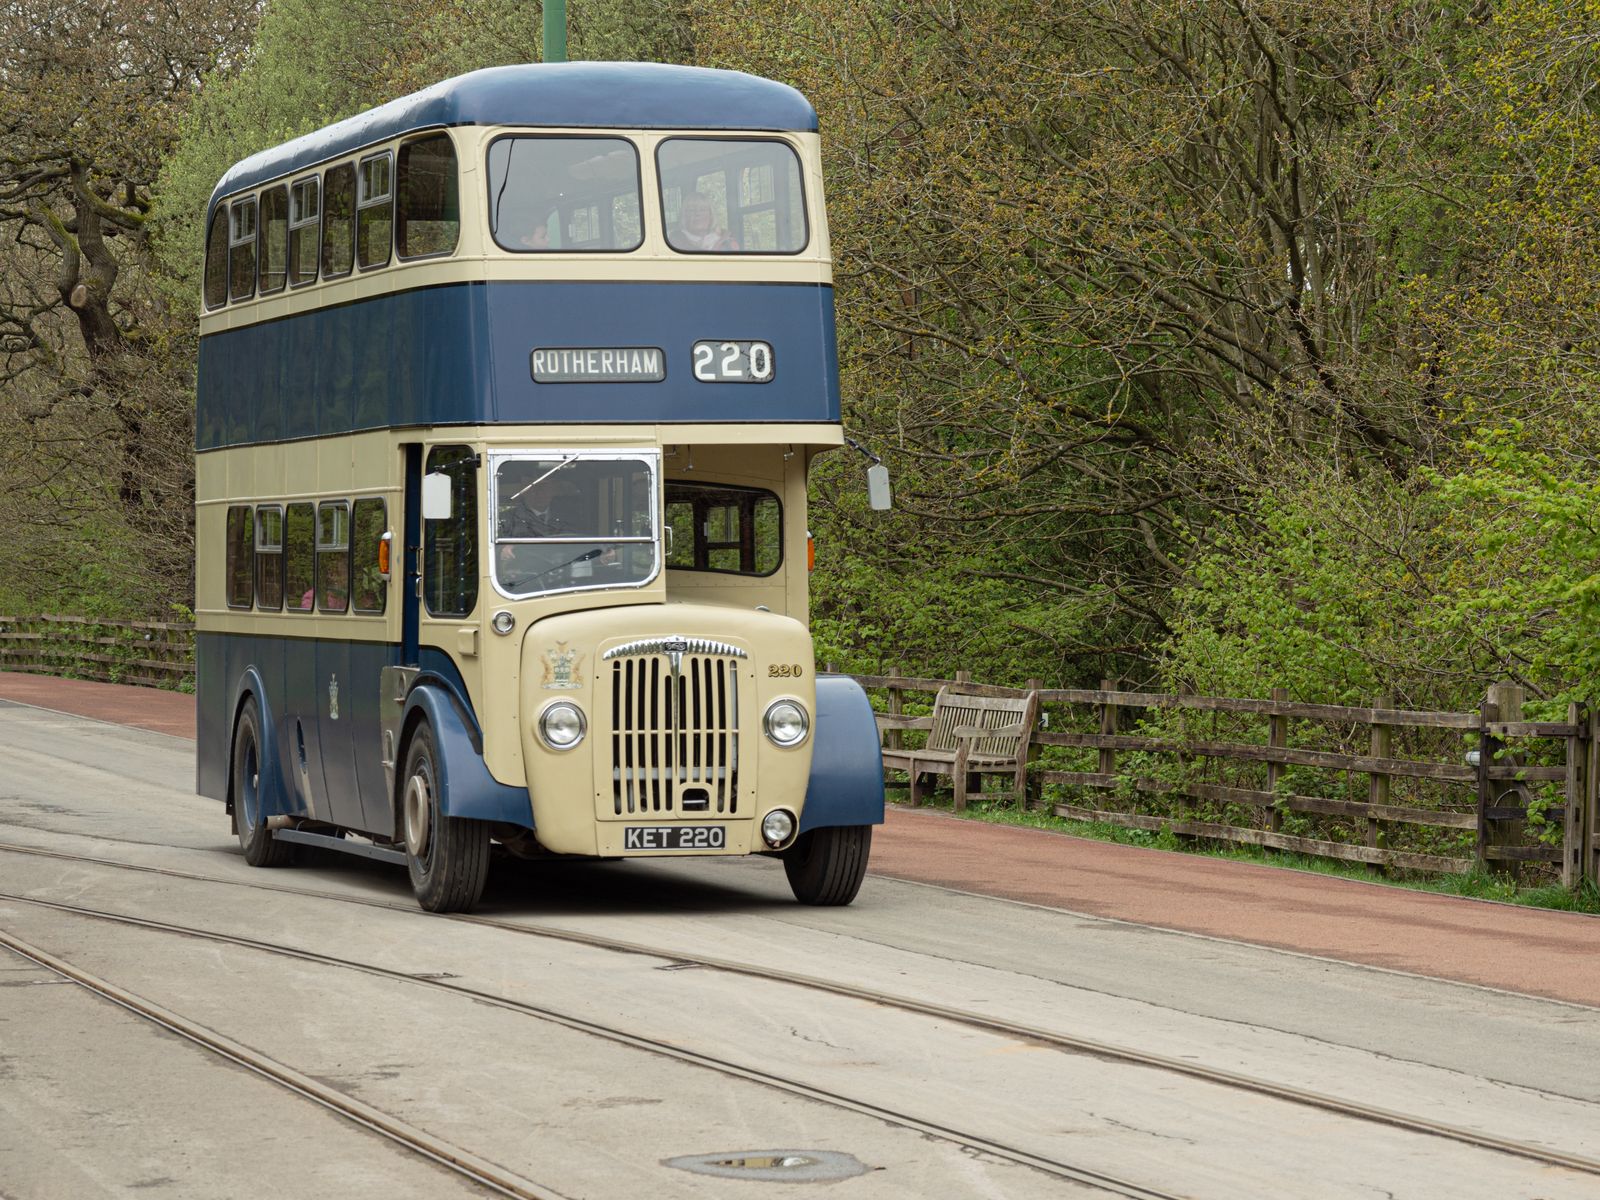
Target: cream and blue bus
(507, 395)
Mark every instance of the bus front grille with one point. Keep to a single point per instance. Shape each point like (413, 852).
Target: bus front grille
(675, 734)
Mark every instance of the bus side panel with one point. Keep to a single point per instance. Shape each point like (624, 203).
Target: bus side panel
(422, 355)
(468, 790)
(362, 717)
(846, 785)
(336, 692)
(795, 319)
(213, 718)
(405, 358)
(297, 733)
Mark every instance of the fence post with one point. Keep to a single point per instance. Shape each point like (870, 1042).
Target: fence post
(1031, 788)
(1277, 737)
(892, 739)
(1488, 747)
(1108, 726)
(1591, 800)
(1378, 781)
(1575, 834)
(1502, 704)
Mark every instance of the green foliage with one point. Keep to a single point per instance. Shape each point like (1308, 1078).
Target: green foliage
(1532, 593)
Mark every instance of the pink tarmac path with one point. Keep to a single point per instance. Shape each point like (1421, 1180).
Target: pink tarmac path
(1534, 951)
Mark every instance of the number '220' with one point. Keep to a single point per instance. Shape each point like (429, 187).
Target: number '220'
(785, 671)
(722, 362)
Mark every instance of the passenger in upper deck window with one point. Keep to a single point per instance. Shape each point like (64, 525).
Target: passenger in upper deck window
(698, 229)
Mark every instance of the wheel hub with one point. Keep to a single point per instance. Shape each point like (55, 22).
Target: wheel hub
(418, 814)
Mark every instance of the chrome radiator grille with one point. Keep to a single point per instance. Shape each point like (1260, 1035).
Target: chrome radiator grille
(675, 732)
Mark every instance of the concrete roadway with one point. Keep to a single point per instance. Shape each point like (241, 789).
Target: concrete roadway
(97, 1102)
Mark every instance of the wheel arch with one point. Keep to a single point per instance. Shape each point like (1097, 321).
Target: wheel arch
(251, 686)
(846, 783)
(466, 789)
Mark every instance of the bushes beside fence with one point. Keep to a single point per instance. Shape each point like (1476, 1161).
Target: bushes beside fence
(150, 653)
(1394, 788)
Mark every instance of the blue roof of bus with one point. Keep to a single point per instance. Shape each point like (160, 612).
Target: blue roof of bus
(581, 95)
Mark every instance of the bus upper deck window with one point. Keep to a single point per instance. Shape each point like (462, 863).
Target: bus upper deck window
(564, 193)
(374, 211)
(242, 249)
(217, 258)
(304, 210)
(338, 221)
(731, 196)
(428, 215)
(274, 239)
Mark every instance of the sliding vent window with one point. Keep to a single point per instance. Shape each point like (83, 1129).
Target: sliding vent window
(733, 530)
(371, 586)
(304, 212)
(274, 239)
(339, 221)
(564, 193)
(374, 211)
(333, 557)
(428, 219)
(240, 544)
(242, 250)
(731, 196)
(269, 558)
(217, 259)
(299, 530)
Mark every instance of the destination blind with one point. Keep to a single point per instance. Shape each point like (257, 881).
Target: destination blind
(597, 364)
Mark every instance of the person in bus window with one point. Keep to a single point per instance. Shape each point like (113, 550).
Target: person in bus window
(698, 228)
(537, 238)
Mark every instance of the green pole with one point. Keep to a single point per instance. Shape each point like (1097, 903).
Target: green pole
(555, 30)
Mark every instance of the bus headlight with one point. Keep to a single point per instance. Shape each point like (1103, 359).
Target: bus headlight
(786, 722)
(562, 725)
(777, 827)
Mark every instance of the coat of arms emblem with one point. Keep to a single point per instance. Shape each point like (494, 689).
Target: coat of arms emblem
(561, 668)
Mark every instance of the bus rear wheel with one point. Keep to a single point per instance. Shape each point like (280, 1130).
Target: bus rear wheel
(448, 857)
(826, 866)
(255, 839)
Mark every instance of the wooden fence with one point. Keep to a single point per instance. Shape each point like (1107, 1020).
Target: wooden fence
(1394, 788)
(1424, 791)
(151, 653)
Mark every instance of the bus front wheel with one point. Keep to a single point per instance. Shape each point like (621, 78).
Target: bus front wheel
(255, 839)
(826, 866)
(448, 857)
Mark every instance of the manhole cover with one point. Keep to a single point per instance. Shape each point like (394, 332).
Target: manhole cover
(773, 1166)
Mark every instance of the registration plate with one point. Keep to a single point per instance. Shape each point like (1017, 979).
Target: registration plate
(674, 837)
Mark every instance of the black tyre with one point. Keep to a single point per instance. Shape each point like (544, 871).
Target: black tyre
(826, 866)
(448, 857)
(255, 839)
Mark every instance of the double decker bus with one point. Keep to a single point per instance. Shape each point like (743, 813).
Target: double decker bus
(507, 395)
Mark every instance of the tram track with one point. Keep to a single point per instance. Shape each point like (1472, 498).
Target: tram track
(1036, 1035)
(453, 1158)
(464, 1163)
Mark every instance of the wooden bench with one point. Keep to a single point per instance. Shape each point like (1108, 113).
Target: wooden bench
(968, 737)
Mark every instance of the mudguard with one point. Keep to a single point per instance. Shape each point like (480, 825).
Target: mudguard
(274, 795)
(465, 785)
(846, 784)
